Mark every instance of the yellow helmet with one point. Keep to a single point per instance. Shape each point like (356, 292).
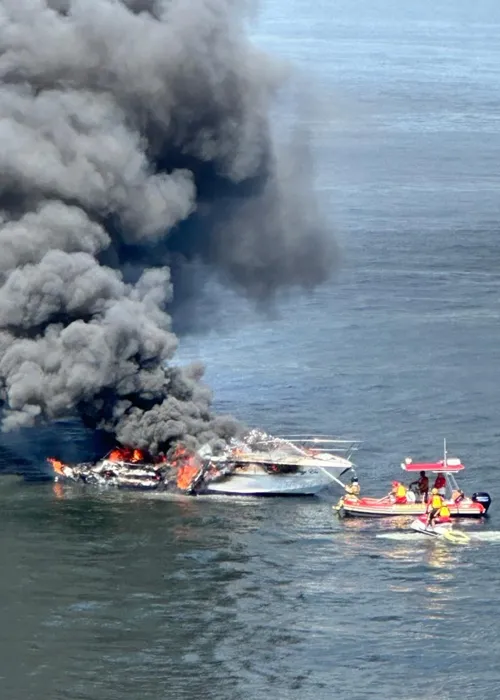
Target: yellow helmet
(434, 491)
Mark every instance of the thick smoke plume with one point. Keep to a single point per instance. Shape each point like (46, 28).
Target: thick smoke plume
(135, 142)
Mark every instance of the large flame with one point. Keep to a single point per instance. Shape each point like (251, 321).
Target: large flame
(57, 466)
(128, 454)
(186, 474)
(187, 466)
(124, 455)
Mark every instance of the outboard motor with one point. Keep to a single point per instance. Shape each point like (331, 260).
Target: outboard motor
(483, 498)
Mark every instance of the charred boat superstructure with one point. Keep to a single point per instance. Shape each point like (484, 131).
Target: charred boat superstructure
(114, 471)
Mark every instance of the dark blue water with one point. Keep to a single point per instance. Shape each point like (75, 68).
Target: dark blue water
(104, 597)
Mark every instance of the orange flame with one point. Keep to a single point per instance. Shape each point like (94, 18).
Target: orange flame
(180, 453)
(185, 475)
(57, 466)
(187, 466)
(126, 454)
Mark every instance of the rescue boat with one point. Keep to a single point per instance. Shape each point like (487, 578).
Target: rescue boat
(475, 506)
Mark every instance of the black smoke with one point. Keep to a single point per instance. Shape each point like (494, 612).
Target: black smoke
(136, 146)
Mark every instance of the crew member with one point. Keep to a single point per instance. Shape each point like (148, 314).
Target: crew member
(434, 506)
(398, 492)
(444, 514)
(440, 484)
(423, 487)
(353, 488)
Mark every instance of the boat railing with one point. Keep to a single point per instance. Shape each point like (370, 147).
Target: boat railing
(323, 443)
(303, 444)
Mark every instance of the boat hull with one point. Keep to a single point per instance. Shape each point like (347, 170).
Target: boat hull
(250, 482)
(300, 484)
(376, 508)
(435, 530)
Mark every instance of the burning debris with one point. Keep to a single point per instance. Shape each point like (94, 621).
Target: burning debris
(137, 469)
(120, 177)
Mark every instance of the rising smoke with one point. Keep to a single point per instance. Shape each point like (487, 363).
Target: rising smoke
(136, 141)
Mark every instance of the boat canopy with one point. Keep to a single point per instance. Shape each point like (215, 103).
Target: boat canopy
(450, 466)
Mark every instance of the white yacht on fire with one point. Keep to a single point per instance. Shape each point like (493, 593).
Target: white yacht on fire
(294, 465)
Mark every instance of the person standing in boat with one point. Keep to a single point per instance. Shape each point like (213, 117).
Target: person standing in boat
(423, 486)
(440, 484)
(353, 488)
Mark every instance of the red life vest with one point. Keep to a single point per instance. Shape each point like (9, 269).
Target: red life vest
(440, 481)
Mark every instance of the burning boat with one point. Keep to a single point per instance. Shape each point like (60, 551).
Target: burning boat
(259, 464)
(121, 468)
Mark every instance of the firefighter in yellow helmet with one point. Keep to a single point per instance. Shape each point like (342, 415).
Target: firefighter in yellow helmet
(434, 506)
(353, 488)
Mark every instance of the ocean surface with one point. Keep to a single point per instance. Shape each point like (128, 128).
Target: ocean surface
(121, 597)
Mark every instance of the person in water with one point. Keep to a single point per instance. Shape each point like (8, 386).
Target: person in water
(434, 506)
(440, 484)
(398, 492)
(423, 487)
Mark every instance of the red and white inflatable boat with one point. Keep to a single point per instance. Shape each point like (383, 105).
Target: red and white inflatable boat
(475, 506)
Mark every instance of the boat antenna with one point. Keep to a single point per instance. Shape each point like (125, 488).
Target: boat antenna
(444, 462)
